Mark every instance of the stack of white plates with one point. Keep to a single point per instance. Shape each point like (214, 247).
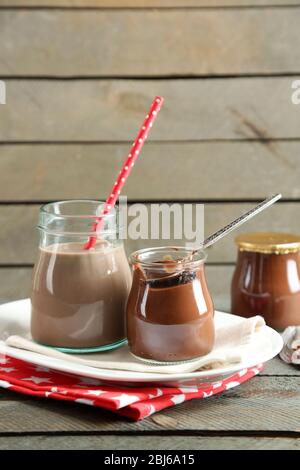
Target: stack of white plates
(15, 320)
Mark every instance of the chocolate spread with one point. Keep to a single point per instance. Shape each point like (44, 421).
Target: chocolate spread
(170, 314)
(267, 285)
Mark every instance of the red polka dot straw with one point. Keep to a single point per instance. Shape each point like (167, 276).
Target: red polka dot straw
(127, 167)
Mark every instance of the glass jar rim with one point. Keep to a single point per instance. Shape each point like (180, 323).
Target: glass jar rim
(78, 217)
(45, 209)
(135, 257)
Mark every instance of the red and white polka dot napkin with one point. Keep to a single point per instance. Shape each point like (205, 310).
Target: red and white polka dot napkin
(135, 403)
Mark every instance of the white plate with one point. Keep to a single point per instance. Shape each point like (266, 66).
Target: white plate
(15, 320)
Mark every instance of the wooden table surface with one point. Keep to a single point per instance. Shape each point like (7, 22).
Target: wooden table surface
(263, 413)
(51, 150)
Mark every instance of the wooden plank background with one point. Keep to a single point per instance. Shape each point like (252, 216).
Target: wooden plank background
(80, 76)
(166, 171)
(99, 110)
(144, 3)
(149, 43)
(124, 442)
(19, 246)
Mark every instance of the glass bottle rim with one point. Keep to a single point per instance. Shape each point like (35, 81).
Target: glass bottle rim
(45, 209)
(199, 256)
(75, 217)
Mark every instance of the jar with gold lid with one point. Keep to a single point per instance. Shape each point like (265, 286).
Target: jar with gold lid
(266, 280)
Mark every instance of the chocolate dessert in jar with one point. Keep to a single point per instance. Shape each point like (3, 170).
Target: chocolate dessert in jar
(266, 280)
(79, 295)
(169, 311)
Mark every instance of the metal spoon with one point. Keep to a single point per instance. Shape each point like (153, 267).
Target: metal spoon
(239, 221)
(230, 227)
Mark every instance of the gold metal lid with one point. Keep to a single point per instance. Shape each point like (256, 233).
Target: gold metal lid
(268, 242)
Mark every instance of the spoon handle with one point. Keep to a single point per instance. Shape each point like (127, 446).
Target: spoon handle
(240, 220)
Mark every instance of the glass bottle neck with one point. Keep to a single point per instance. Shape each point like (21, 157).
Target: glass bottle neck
(75, 221)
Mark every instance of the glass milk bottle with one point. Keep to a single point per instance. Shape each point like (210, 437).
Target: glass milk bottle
(79, 296)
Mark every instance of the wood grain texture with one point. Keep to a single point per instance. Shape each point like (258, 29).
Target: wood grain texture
(147, 443)
(15, 283)
(277, 367)
(112, 43)
(115, 42)
(239, 409)
(110, 110)
(19, 238)
(144, 3)
(172, 171)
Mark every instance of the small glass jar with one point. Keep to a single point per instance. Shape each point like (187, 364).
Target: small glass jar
(266, 280)
(170, 311)
(79, 296)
